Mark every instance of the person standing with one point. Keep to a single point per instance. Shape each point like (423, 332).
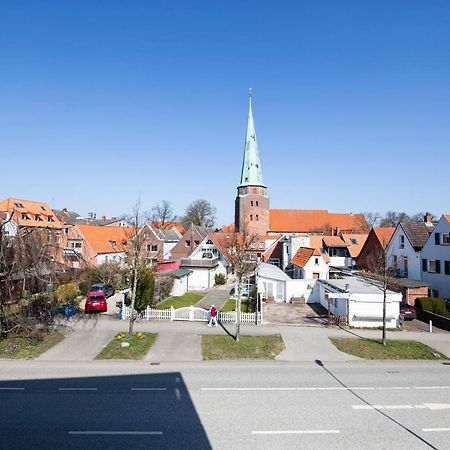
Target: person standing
(212, 316)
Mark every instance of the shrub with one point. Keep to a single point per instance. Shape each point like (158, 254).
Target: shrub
(67, 293)
(432, 304)
(83, 287)
(219, 278)
(164, 285)
(145, 289)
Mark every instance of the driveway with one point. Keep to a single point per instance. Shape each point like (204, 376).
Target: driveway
(295, 314)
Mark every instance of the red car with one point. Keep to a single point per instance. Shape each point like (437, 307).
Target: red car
(408, 312)
(96, 302)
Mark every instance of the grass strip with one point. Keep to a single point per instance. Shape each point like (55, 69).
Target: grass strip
(140, 344)
(248, 347)
(188, 299)
(18, 347)
(394, 349)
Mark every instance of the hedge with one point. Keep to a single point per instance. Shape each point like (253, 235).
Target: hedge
(432, 304)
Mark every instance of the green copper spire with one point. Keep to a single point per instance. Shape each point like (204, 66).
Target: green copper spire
(251, 167)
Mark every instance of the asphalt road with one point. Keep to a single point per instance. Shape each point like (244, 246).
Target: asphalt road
(358, 405)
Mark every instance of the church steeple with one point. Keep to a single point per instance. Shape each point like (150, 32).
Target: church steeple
(251, 174)
(252, 201)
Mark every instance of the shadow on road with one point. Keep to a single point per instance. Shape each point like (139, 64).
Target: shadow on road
(137, 411)
(320, 364)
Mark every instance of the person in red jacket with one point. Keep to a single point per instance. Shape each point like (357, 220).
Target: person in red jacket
(212, 316)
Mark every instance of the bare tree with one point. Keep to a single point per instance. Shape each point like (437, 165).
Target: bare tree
(372, 219)
(200, 213)
(238, 250)
(392, 219)
(136, 240)
(420, 216)
(162, 214)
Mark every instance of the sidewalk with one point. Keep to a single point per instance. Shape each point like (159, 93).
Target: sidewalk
(181, 341)
(216, 296)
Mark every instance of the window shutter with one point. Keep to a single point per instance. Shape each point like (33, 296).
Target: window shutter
(424, 265)
(447, 267)
(438, 266)
(436, 238)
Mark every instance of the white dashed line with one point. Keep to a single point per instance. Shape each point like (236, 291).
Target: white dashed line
(12, 389)
(149, 389)
(297, 432)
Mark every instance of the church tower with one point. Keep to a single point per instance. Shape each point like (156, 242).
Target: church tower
(252, 201)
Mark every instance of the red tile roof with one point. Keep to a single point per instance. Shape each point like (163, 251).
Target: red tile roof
(32, 210)
(107, 239)
(384, 235)
(308, 221)
(334, 241)
(303, 255)
(354, 248)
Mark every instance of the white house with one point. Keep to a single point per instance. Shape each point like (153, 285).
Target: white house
(405, 245)
(310, 264)
(436, 259)
(207, 260)
(9, 226)
(360, 301)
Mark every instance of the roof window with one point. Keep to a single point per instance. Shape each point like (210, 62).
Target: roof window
(19, 205)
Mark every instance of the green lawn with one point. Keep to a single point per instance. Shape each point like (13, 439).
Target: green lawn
(188, 299)
(249, 347)
(140, 344)
(394, 349)
(27, 348)
(230, 305)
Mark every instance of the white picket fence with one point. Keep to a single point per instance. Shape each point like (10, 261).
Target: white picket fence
(191, 314)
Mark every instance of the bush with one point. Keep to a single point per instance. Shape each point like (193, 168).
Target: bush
(67, 293)
(219, 278)
(164, 286)
(145, 289)
(83, 288)
(432, 304)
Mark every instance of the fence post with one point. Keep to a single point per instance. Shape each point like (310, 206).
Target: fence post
(172, 313)
(431, 326)
(191, 313)
(147, 313)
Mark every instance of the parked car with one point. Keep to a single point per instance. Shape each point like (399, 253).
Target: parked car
(107, 289)
(96, 302)
(408, 312)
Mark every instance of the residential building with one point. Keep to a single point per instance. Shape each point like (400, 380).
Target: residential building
(435, 257)
(310, 264)
(158, 243)
(92, 245)
(189, 242)
(405, 245)
(374, 247)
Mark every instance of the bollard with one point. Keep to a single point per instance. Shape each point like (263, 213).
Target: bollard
(431, 326)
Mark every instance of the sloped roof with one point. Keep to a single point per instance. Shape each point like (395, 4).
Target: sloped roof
(354, 248)
(170, 226)
(384, 235)
(228, 228)
(270, 271)
(447, 216)
(167, 235)
(17, 207)
(303, 255)
(334, 241)
(417, 233)
(308, 221)
(106, 239)
(316, 242)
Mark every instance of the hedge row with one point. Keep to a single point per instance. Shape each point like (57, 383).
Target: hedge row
(432, 304)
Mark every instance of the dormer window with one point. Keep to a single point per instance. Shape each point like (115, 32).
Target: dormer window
(113, 243)
(24, 216)
(49, 219)
(18, 205)
(43, 209)
(37, 218)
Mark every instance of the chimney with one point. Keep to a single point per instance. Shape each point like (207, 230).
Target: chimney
(103, 218)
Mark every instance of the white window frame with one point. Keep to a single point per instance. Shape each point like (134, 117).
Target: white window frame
(445, 239)
(402, 241)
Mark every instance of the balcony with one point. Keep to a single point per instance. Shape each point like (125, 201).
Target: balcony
(205, 263)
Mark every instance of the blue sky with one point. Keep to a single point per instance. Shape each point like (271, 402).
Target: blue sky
(105, 101)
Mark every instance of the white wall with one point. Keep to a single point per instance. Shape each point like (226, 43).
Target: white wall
(311, 267)
(413, 257)
(272, 288)
(103, 258)
(431, 251)
(180, 286)
(167, 247)
(308, 289)
(202, 278)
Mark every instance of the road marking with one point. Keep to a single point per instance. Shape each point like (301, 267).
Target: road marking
(297, 432)
(435, 429)
(12, 389)
(127, 433)
(149, 389)
(430, 406)
(77, 389)
(360, 388)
